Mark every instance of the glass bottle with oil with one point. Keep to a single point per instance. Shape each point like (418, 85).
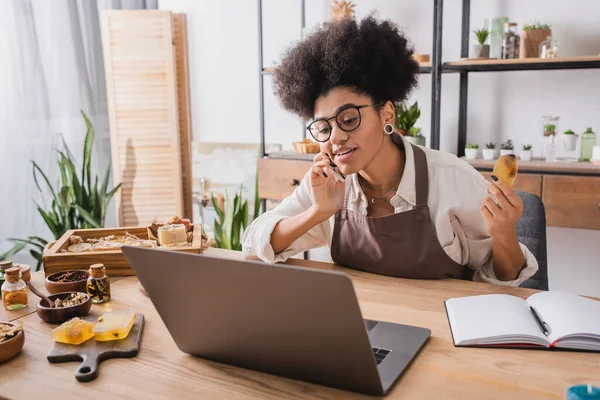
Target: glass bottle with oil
(98, 284)
(14, 290)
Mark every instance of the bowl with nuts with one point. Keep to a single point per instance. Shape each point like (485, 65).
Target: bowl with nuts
(64, 307)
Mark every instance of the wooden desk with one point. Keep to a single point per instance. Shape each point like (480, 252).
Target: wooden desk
(440, 371)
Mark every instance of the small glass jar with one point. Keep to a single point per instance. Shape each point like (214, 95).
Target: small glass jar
(549, 48)
(510, 41)
(14, 290)
(98, 284)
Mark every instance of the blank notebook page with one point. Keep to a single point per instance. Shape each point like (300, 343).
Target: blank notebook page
(567, 314)
(491, 315)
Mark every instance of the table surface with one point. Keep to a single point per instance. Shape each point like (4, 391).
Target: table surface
(440, 371)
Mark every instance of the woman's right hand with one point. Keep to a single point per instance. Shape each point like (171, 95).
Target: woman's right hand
(327, 192)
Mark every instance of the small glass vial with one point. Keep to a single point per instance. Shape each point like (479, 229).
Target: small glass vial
(14, 290)
(588, 141)
(98, 284)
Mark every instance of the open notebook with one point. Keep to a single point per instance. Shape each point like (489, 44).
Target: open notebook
(493, 320)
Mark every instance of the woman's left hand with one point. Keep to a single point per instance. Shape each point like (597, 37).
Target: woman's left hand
(502, 215)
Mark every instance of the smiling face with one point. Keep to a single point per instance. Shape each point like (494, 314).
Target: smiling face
(354, 150)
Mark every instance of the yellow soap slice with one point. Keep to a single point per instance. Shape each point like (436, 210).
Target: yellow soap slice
(114, 325)
(74, 331)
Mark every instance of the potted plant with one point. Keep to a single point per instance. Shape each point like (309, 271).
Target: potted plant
(526, 153)
(79, 201)
(471, 151)
(507, 148)
(414, 136)
(549, 129)
(569, 140)
(489, 153)
(406, 118)
(533, 34)
(481, 50)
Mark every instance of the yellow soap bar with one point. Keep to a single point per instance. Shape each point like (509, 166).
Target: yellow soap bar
(114, 325)
(74, 331)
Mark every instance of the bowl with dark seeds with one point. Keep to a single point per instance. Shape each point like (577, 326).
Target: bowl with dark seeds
(67, 281)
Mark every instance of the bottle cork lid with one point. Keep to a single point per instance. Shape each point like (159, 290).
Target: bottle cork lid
(4, 265)
(97, 270)
(13, 274)
(25, 272)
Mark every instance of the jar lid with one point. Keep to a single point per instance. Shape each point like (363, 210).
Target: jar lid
(4, 265)
(97, 270)
(13, 274)
(588, 130)
(25, 272)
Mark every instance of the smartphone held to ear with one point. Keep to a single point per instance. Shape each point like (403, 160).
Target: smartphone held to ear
(337, 174)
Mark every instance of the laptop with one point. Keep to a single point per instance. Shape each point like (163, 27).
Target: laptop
(294, 322)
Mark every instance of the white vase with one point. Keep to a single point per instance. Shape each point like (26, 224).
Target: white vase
(525, 155)
(570, 142)
(489, 154)
(471, 154)
(506, 152)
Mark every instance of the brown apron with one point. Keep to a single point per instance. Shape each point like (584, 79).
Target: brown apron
(403, 245)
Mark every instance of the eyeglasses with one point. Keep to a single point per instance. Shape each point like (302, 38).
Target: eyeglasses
(348, 119)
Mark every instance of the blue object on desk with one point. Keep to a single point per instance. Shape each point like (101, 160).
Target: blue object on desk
(583, 392)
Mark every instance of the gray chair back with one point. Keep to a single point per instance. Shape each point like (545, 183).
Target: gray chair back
(531, 231)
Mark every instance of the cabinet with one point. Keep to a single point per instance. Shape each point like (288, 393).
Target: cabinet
(570, 192)
(572, 201)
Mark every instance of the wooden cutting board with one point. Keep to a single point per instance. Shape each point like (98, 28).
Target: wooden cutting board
(92, 352)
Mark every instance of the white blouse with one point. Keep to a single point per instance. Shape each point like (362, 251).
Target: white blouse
(456, 192)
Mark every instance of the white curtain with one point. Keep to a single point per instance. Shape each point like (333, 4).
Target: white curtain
(51, 67)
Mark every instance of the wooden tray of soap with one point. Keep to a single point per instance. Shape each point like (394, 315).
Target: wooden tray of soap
(58, 258)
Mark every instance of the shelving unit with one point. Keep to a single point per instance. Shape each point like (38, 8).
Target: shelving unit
(436, 68)
(526, 64)
(464, 66)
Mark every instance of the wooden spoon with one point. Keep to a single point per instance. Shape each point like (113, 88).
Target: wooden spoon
(35, 291)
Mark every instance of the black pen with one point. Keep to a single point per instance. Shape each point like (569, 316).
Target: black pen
(538, 319)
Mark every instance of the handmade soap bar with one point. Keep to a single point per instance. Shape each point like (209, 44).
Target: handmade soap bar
(74, 331)
(171, 234)
(114, 325)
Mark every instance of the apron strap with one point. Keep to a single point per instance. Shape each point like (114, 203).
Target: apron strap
(348, 187)
(421, 176)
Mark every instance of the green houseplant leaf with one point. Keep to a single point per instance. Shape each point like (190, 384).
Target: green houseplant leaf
(75, 203)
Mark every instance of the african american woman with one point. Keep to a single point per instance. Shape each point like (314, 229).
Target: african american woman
(403, 210)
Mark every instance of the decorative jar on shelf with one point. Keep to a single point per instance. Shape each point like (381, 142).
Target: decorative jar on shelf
(549, 48)
(588, 141)
(510, 41)
(550, 125)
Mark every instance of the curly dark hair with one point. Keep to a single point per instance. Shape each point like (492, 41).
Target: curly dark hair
(372, 57)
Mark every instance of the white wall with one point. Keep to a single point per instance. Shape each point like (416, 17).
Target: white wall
(223, 47)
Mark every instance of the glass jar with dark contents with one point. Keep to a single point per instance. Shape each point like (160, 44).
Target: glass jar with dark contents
(98, 284)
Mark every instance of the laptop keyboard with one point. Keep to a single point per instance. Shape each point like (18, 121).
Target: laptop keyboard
(380, 354)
